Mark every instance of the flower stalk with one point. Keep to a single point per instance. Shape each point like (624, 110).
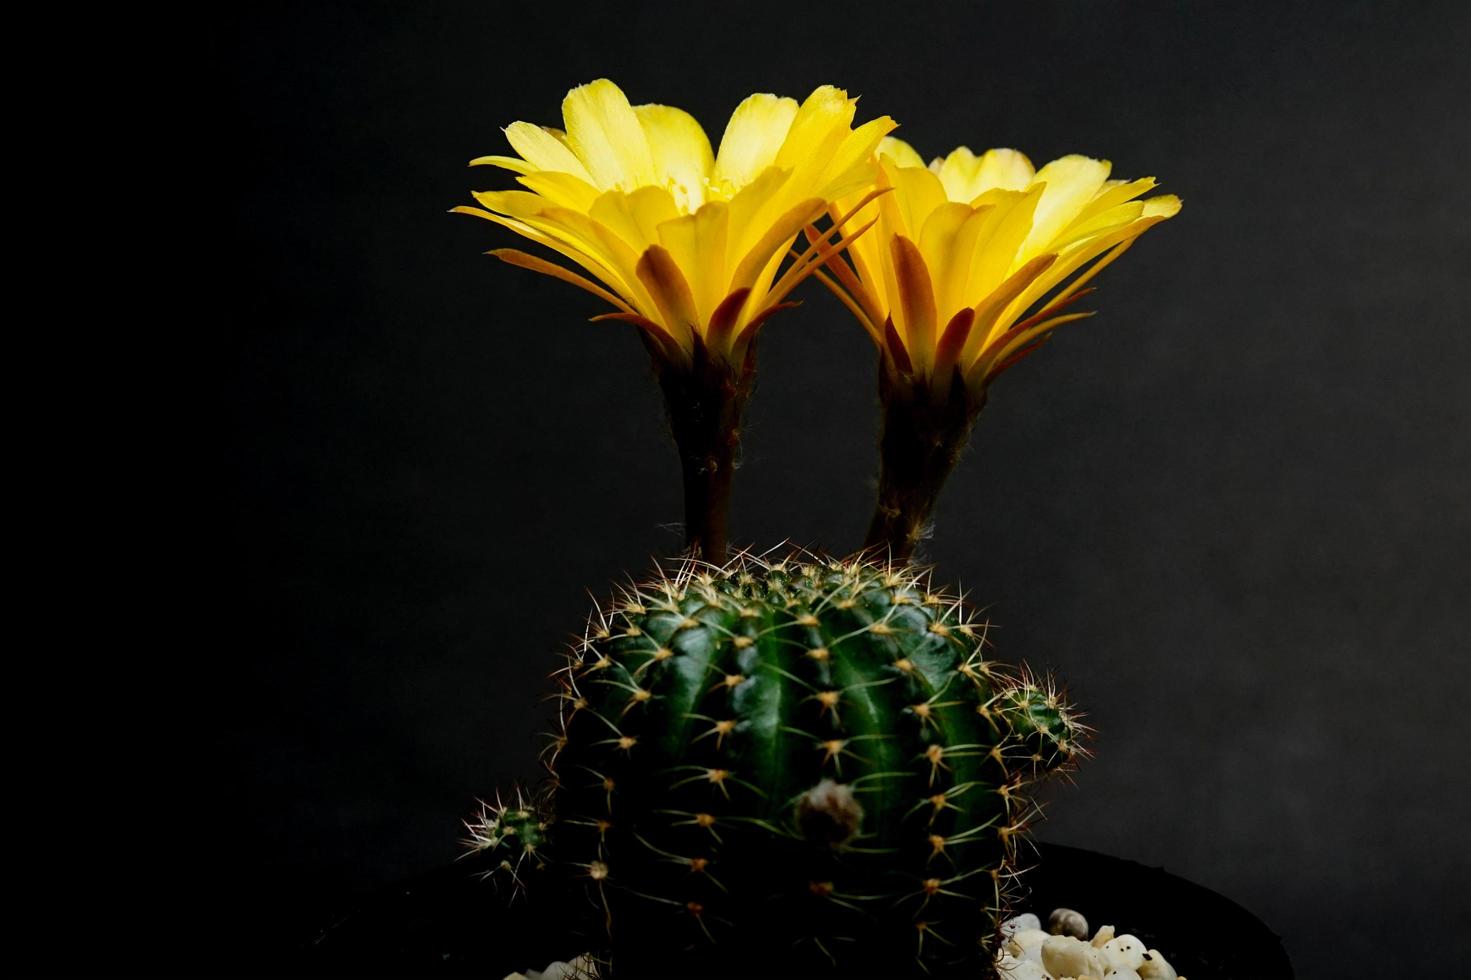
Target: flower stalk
(924, 435)
(705, 401)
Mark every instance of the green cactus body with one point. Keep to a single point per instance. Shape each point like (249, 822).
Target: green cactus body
(507, 839)
(804, 763)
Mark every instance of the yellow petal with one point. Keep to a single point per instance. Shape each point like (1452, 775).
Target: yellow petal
(564, 245)
(680, 153)
(954, 277)
(544, 151)
(602, 243)
(850, 169)
(937, 243)
(989, 322)
(752, 138)
(610, 250)
(1163, 206)
(822, 247)
(1006, 169)
(1116, 192)
(697, 244)
(958, 172)
(993, 360)
(721, 325)
(903, 155)
(1114, 217)
(845, 283)
(999, 252)
(670, 292)
(915, 315)
(561, 189)
(514, 256)
(820, 123)
(773, 244)
(967, 176)
(518, 204)
(1076, 257)
(948, 347)
(1071, 182)
(656, 333)
(514, 164)
(917, 192)
(870, 254)
(634, 217)
(752, 210)
(604, 132)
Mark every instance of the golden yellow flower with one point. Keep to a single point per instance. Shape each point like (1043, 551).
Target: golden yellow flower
(682, 241)
(973, 261)
(687, 243)
(975, 257)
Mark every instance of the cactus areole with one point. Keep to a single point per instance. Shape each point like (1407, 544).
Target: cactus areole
(802, 764)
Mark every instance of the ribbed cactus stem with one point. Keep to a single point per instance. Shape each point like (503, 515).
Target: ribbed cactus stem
(804, 762)
(704, 400)
(924, 434)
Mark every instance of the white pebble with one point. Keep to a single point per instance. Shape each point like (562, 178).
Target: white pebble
(1066, 922)
(1029, 953)
(1125, 952)
(580, 967)
(1024, 970)
(1065, 956)
(1156, 967)
(1017, 923)
(1029, 943)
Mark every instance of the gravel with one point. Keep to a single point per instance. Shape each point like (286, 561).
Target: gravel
(1029, 952)
(1061, 953)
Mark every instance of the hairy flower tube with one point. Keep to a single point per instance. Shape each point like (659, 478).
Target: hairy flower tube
(970, 268)
(688, 244)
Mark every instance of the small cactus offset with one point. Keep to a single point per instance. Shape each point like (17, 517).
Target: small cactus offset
(804, 762)
(507, 839)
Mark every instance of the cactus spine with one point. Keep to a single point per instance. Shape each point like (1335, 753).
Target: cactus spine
(801, 762)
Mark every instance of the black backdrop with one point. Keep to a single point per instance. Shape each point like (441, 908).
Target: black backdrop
(1232, 509)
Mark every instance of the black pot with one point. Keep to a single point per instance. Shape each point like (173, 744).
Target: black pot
(450, 923)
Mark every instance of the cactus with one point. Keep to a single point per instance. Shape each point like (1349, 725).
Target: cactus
(507, 839)
(801, 765)
(800, 762)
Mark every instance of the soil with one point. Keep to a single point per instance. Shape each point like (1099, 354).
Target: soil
(449, 923)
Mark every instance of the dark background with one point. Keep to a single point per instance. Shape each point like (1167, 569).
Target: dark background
(1232, 509)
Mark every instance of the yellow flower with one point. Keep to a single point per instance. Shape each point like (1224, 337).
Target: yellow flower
(683, 241)
(971, 265)
(975, 257)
